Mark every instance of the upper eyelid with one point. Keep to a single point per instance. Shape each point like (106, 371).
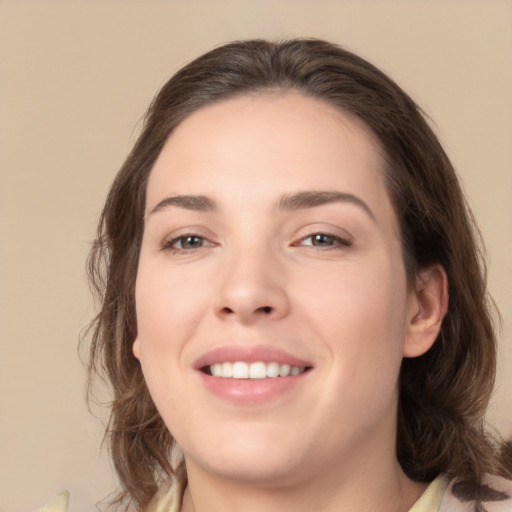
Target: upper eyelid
(185, 231)
(323, 229)
(343, 240)
(168, 241)
(303, 233)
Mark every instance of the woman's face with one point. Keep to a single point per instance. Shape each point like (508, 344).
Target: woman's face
(271, 247)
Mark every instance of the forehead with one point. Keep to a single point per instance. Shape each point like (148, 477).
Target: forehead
(264, 145)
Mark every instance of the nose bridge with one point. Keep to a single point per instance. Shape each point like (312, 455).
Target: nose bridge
(251, 284)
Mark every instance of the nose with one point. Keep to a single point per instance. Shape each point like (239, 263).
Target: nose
(252, 288)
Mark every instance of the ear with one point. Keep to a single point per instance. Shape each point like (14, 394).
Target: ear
(136, 348)
(428, 304)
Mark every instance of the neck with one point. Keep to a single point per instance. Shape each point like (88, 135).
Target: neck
(363, 475)
(367, 487)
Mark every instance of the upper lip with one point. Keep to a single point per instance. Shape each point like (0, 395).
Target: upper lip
(249, 354)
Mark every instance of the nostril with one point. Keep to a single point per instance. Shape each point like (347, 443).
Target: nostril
(263, 310)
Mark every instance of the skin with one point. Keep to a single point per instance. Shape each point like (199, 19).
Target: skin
(255, 276)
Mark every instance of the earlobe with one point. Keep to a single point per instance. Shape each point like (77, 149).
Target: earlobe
(427, 308)
(136, 348)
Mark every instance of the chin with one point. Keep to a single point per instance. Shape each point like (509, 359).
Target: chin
(246, 470)
(261, 460)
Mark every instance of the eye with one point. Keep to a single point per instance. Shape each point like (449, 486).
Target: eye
(186, 243)
(324, 240)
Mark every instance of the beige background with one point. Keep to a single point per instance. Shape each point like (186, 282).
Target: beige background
(76, 78)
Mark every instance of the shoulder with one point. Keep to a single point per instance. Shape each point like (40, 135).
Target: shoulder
(58, 503)
(496, 497)
(170, 494)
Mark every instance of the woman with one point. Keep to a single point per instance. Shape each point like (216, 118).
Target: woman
(294, 311)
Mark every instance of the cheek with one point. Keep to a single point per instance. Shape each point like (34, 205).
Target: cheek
(169, 309)
(369, 301)
(360, 314)
(168, 306)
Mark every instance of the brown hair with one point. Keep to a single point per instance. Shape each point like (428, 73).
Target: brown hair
(444, 393)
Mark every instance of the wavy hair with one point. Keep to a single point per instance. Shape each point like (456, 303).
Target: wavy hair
(443, 394)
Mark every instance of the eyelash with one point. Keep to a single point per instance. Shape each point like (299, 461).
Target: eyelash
(168, 245)
(336, 242)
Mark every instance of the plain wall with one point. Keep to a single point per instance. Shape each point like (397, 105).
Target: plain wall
(75, 79)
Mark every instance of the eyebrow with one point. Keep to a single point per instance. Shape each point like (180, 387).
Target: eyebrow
(196, 203)
(313, 198)
(297, 201)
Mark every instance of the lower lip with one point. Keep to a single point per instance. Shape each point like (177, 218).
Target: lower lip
(251, 391)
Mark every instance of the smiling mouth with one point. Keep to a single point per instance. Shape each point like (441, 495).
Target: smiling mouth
(256, 370)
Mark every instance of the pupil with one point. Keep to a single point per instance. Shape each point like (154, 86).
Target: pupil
(322, 239)
(192, 242)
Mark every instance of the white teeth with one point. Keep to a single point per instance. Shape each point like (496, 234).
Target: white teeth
(240, 370)
(272, 369)
(258, 370)
(227, 370)
(284, 370)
